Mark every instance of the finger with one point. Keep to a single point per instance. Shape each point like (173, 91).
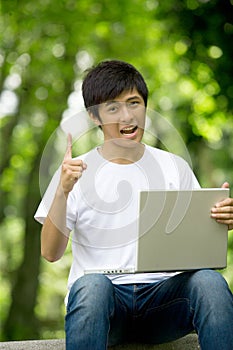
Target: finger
(223, 213)
(74, 165)
(225, 185)
(68, 154)
(226, 202)
(218, 212)
(76, 175)
(226, 219)
(74, 169)
(228, 222)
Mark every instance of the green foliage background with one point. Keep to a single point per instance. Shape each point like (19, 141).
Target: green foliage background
(184, 50)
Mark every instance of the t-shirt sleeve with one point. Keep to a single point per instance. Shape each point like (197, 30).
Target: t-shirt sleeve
(187, 178)
(45, 204)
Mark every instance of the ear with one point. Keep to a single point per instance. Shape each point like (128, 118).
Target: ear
(94, 118)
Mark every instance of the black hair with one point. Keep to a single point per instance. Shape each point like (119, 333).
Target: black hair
(108, 80)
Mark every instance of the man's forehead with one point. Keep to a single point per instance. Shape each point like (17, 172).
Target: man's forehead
(125, 96)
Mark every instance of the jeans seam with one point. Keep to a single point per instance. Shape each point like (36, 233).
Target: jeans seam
(164, 306)
(120, 302)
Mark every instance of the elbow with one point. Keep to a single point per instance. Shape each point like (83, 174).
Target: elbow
(49, 257)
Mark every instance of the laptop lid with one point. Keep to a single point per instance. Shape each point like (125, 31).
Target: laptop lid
(177, 233)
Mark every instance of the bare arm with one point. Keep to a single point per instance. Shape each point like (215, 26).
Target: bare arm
(55, 234)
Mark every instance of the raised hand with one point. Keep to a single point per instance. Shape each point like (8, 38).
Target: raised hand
(71, 169)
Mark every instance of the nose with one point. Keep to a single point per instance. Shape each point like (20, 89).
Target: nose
(126, 115)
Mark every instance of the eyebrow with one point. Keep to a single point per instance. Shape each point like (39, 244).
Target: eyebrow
(134, 98)
(107, 103)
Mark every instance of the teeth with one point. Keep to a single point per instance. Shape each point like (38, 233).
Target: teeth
(128, 130)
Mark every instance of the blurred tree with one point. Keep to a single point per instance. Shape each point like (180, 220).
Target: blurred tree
(183, 48)
(200, 33)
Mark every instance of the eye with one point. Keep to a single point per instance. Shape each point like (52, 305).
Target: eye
(133, 104)
(113, 108)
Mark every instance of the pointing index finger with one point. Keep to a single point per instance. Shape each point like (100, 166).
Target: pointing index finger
(68, 154)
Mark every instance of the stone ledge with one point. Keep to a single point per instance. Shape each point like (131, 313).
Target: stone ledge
(188, 342)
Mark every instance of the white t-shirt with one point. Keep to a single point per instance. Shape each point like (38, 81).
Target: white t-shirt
(102, 210)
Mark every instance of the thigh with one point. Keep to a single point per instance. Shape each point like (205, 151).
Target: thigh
(96, 298)
(178, 305)
(89, 310)
(151, 313)
(89, 291)
(164, 310)
(121, 329)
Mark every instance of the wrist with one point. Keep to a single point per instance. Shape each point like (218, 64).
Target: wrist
(61, 193)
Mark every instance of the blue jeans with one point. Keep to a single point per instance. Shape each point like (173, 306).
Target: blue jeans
(100, 314)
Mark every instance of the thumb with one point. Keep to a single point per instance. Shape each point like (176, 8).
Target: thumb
(68, 154)
(225, 185)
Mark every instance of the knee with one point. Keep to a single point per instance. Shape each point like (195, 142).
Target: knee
(92, 288)
(210, 282)
(208, 277)
(93, 280)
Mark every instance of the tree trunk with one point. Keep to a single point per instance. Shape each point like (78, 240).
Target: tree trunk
(21, 322)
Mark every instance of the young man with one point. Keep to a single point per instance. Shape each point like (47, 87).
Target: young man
(95, 196)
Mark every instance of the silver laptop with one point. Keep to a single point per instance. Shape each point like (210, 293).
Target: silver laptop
(177, 233)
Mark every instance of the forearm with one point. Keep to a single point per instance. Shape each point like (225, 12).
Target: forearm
(54, 234)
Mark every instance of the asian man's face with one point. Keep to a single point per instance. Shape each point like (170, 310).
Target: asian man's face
(123, 118)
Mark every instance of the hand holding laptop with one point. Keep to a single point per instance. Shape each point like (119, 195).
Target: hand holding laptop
(222, 212)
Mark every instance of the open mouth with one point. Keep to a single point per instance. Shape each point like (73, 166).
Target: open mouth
(128, 130)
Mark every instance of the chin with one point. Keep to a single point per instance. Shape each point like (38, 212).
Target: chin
(127, 143)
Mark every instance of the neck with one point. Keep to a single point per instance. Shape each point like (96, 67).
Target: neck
(121, 154)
